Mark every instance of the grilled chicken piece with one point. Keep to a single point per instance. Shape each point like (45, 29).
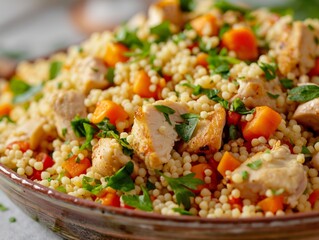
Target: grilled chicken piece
(153, 136)
(279, 170)
(67, 105)
(255, 93)
(89, 73)
(165, 10)
(207, 137)
(298, 50)
(31, 131)
(108, 157)
(307, 114)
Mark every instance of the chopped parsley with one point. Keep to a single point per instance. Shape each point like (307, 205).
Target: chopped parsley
(89, 135)
(64, 131)
(224, 6)
(233, 132)
(22, 91)
(33, 91)
(12, 219)
(122, 180)
(273, 96)
(77, 125)
(142, 202)
(244, 175)
(186, 129)
(305, 150)
(7, 118)
(109, 76)
(182, 187)
(3, 208)
(182, 211)
(55, 69)
(239, 107)
(277, 192)
(225, 28)
(150, 185)
(187, 5)
(92, 185)
(128, 38)
(61, 189)
(166, 111)
(255, 165)
(269, 69)
(304, 93)
(287, 83)
(162, 31)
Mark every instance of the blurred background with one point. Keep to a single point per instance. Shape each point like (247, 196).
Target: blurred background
(34, 28)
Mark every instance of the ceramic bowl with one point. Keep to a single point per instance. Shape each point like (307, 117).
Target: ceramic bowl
(74, 218)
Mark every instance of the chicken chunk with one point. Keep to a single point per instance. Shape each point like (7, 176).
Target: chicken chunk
(153, 136)
(255, 92)
(67, 105)
(207, 137)
(298, 50)
(307, 114)
(89, 73)
(278, 170)
(165, 10)
(31, 131)
(108, 157)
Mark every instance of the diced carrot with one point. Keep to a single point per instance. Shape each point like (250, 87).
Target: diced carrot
(110, 199)
(315, 70)
(5, 109)
(242, 41)
(23, 145)
(75, 167)
(106, 108)
(142, 83)
(115, 52)
(264, 123)
(232, 118)
(272, 204)
(205, 25)
(313, 197)
(202, 59)
(227, 163)
(199, 171)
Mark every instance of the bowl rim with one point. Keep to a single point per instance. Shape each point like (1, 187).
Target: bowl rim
(40, 189)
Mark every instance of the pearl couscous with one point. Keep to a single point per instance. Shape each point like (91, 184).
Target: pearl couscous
(205, 110)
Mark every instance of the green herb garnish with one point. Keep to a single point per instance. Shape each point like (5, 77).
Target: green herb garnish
(55, 69)
(3, 208)
(182, 187)
(7, 118)
(109, 76)
(89, 135)
(305, 150)
(269, 70)
(239, 107)
(182, 211)
(287, 83)
(162, 31)
(142, 202)
(122, 180)
(244, 175)
(61, 189)
(273, 96)
(186, 129)
(277, 192)
(255, 165)
(166, 111)
(77, 125)
(233, 132)
(128, 38)
(187, 5)
(304, 93)
(12, 219)
(92, 185)
(224, 6)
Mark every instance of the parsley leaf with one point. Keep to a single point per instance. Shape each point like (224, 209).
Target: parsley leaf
(233, 132)
(162, 31)
(61, 189)
(3, 208)
(6, 117)
(109, 76)
(239, 107)
(127, 149)
(18, 86)
(166, 111)
(77, 125)
(187, 5)
(225, 28)
(12, 219)
(224, 6)
(150, 185)
(182, 211)
(89, 135)
(141, 202)
(255, 165)
(305, 150)
(181, 187)
(92, 185)
(221, 64)
(128, 38)
(122, 180)
(304, 93)
(269, 70)
(244, 175)
(273, 96)
(186, 129)
(55, 69)
(33, 91)
(287, 83)
(277, 192)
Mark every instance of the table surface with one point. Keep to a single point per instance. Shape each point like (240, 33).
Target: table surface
(24, 227)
